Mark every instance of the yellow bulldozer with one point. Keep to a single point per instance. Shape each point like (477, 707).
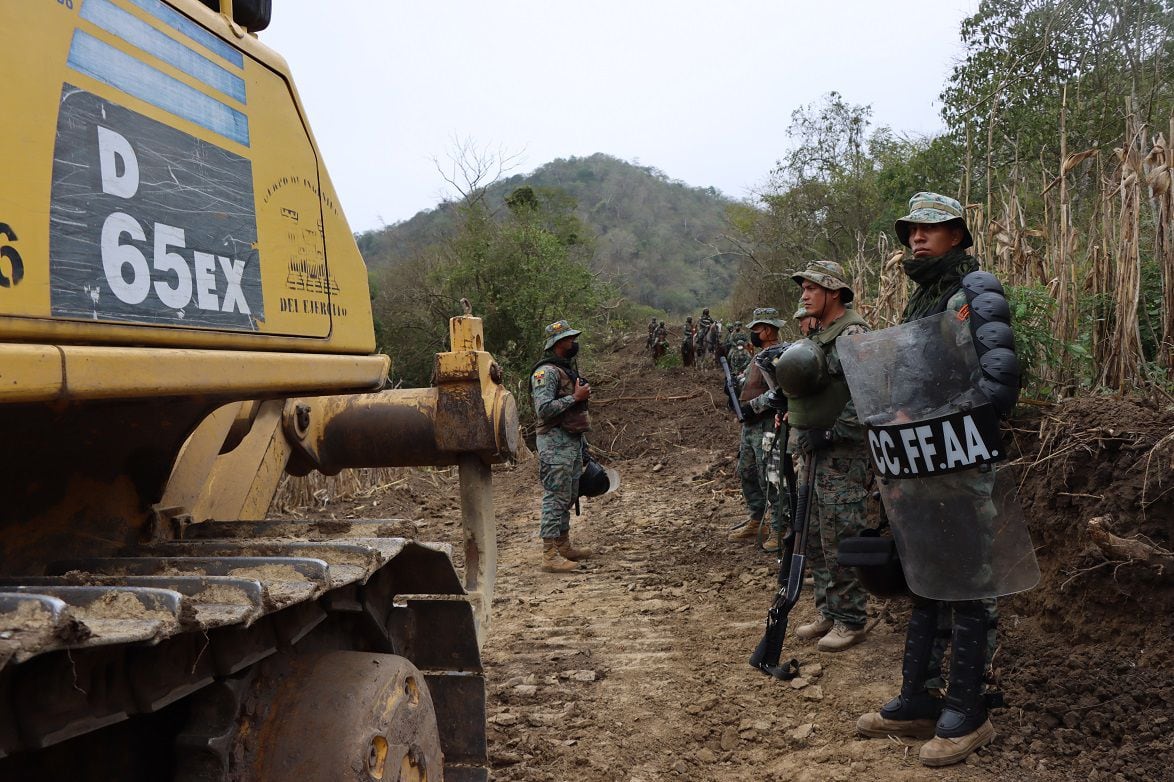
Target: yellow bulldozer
(184, 319)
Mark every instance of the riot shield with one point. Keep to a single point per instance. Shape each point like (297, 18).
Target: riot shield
(934, 440)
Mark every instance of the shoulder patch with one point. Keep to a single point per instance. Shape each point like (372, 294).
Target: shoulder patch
(539, 374)
(964, 313)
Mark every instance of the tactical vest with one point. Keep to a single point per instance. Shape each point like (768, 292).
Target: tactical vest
(575, 418)
(755, 386)
(820, 411)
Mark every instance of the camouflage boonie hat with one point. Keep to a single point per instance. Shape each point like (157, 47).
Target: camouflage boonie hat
(560, 329)
(802, 313)
(933, 208)
(767, 315)
(826, 274)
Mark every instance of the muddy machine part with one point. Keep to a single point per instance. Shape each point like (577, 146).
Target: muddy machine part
(185, 319)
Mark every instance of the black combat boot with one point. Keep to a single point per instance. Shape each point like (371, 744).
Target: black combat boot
(963, 725)
(914, 712)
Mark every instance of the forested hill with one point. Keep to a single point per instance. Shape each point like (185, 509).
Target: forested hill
(658, 240)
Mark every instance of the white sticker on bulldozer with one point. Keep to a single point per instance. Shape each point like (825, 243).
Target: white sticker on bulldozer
(149, 224)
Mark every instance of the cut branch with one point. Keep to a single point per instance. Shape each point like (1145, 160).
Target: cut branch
(1127, 549)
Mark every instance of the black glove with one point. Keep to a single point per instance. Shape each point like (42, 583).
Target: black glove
(812, 440)
(747, 411)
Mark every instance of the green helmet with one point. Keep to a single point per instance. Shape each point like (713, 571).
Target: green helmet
(802, 370)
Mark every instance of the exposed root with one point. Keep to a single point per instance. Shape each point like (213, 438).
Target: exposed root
(1128, 549)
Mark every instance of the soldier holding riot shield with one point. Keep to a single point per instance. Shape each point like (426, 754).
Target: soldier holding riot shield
(930, 393)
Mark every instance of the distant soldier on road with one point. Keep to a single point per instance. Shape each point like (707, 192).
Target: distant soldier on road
(560, 403)
(738, 348)
(757, 419)
(689, 342)
(660, 342)
(662, 334)
(705, 322)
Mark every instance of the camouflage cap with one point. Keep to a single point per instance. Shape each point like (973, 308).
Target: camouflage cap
(767, 315)
(802, 313)
(933, 208)
(560, 329)
(826, 274)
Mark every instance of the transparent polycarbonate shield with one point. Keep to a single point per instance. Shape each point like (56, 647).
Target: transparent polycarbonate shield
(934, 440)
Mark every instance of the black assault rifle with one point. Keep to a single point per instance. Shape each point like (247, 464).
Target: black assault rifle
(770, 648)
(731, 388)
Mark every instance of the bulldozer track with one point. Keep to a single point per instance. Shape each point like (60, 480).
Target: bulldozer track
(100, 640)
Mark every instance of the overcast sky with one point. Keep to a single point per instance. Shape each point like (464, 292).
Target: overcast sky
(701, 89)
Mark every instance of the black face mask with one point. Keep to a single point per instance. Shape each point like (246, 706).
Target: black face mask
(756, 339)
(573, 351)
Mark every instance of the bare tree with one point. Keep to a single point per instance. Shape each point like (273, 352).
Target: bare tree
(471, 169)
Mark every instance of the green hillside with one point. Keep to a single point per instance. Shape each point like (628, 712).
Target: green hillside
(658, 241)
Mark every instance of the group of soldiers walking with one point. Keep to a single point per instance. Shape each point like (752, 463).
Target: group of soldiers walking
(705, 338)
(799, 418)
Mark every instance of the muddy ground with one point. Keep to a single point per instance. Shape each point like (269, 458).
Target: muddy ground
(635, 670)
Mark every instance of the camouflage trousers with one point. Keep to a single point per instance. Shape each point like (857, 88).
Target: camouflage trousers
(760, 495)
(560, 463)
(837, 512)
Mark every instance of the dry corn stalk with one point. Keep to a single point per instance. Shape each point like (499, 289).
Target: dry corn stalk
(892, 291)
(1100, 269)
(1123, 369)
(1159, 166)
(317, 490)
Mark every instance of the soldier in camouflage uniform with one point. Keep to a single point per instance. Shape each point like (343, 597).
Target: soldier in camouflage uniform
(738, 349)
(705, 322)
(761, 496)
(560, 404)
(837, 496)
(661, 336)
(651, 333)
(805, 321)
(935, 231)
(783, 476)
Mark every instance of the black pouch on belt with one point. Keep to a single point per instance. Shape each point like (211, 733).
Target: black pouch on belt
(875, 559)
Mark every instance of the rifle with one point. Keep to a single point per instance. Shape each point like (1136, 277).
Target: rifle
(770, 648)
(731, 389)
